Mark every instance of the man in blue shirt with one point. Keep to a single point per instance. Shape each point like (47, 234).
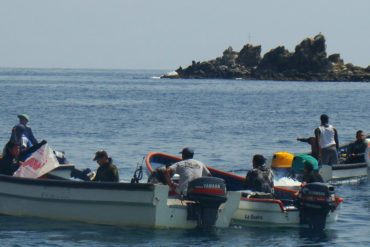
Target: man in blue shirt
(23, 120)
(22, 140)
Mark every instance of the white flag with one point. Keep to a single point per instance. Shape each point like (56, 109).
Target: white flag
(39, 163)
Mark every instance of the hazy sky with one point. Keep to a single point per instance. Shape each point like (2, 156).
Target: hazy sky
(164, 34)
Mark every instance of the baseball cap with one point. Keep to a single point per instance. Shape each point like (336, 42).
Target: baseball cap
(25, 116)
(187, 151)
(100, 154)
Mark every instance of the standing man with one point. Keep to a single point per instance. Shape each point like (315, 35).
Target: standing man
(260, 178)
(107, 172)
(20, 138)
(327, 142)
(188, 170)
(23, 142)
(23, 120)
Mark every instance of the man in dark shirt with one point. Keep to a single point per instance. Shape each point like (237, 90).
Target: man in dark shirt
(10, 162)
(107, 172)
(356, 150)
(309, 175)
(260, 178)
(23, 120)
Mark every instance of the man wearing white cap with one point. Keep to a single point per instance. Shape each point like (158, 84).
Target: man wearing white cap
(188, 169)
(24, 119)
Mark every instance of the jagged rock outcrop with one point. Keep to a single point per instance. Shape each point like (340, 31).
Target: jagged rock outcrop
(310, 56)
(249, 56)
(222, 67)
(276, 60)
(309, 62)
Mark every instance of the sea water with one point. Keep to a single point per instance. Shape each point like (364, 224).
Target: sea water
(132, 113)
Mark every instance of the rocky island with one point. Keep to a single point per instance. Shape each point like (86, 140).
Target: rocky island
(309, 62)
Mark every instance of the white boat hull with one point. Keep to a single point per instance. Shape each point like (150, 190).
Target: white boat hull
(270, 212)
(139, 205)
(344, 173)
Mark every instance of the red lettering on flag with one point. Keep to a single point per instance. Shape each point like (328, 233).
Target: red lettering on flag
(33, 163)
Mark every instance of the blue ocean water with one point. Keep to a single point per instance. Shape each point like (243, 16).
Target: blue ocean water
(132, 113)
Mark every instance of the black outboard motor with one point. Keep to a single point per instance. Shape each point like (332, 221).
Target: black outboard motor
(207, 193)
(314, 202)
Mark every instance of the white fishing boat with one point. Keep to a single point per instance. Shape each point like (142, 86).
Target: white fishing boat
(126, 204)
(345, 173)
(278, 211)
(349, 172)
(283, 208)
(291, 165)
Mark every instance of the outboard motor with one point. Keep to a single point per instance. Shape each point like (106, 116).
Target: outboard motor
(314, 202)
(207, 193)
(61, 157)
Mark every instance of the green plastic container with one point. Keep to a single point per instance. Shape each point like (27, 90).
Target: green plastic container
(299, 159)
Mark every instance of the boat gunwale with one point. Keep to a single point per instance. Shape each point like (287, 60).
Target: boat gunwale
(64, 167)
(347, 166)
(279, 202)
(78, 184)
(149, 156)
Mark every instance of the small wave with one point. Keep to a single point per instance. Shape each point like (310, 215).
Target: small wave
(172, 73)
(285, 181)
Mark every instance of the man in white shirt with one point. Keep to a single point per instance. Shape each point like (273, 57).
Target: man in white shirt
(327, 141)
(188, 169)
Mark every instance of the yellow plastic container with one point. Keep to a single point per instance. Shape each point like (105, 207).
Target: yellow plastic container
(282, 160)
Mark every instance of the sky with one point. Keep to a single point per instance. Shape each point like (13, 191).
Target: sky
(166, 34)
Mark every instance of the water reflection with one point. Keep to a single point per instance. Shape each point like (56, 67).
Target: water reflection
(317, 238)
